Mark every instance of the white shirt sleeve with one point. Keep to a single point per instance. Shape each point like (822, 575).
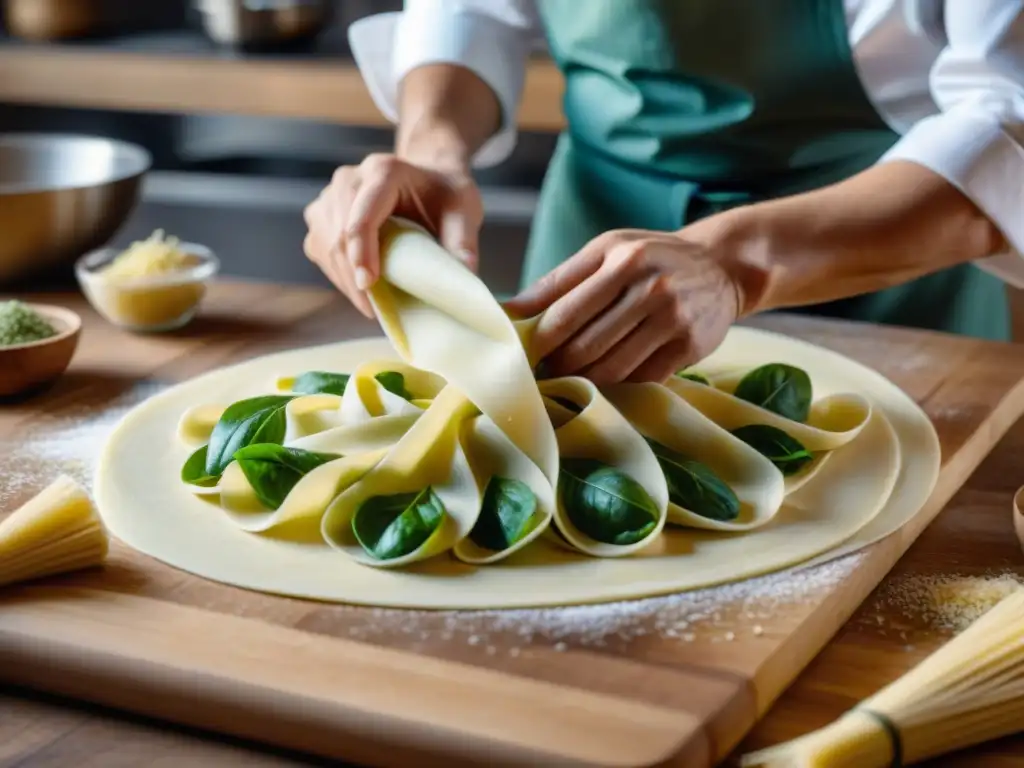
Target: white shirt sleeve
(492, 38)
(976, 141)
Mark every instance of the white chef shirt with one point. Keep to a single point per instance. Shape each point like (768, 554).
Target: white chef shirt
(947, 75)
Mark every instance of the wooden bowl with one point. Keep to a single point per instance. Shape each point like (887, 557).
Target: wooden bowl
(1018, 515)
(25, 367)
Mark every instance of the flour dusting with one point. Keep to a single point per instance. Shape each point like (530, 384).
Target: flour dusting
(718, 614)
(68, 442)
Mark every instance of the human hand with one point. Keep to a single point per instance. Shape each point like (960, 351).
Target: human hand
(345, 220)
(634, 305)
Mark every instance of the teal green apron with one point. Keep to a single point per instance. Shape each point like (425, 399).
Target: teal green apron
(678, 109)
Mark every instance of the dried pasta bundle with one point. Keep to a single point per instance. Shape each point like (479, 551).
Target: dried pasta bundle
(55, 532)
(969, 691)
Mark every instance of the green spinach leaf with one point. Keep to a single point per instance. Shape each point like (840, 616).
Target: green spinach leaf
(784, 451)
(194, 470)
(388, 527)
(693, 376)
(694, 486)
(779, 388)
(505, 515)
(256, 420)
(321, 382)
(394, 383)
(273, 470)
(325, 382)
(604, 503)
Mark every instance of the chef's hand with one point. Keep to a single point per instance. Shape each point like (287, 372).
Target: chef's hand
(345, 220)
(633, 305)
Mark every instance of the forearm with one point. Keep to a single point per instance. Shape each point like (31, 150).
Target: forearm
(888, 225)
(446, 113)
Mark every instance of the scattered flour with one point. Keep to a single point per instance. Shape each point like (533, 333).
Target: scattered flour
(67, 442)
(718, 614)
(947, 602)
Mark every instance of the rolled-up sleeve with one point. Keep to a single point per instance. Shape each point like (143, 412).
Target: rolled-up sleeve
(492, 38)
(976, 141)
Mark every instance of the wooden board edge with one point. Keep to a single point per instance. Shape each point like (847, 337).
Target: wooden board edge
(782, 667)
(383, 707)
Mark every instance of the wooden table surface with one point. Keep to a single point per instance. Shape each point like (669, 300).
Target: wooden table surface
(890, 633)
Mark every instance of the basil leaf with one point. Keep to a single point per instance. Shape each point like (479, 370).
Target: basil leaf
(694, 486)
(273, 470)
(388, 527)
(394, 383)
(779, 388)
(194, 470)
(256, 420)
(784, 451)
(693, 376)
(321, 382)
(604, 503)
(505, 515)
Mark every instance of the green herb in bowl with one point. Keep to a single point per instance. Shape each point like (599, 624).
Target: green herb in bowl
(20, 324)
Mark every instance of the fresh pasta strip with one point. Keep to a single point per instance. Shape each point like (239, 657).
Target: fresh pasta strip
(196, 424)
(493, 458)
(833, 421)
(358, 447)
(426, 474)
(441, 317)
(310, 414)
(600, 433)
(700, 458)
(366, 396)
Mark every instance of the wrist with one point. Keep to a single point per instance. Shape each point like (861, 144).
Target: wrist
(740, 241)
(435, 146)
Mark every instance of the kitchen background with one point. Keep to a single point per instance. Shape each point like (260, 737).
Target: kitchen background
(244, 132)
(244, 127)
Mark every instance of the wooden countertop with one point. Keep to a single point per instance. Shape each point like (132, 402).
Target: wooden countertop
(889, 634)
(181, 72)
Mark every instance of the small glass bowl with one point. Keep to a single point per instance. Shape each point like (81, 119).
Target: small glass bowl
(149, 304)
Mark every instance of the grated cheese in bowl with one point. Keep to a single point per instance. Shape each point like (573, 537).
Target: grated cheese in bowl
(156, 255)
(155, 284)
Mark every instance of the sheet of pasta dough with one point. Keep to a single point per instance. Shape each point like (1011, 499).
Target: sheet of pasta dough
(866, 491)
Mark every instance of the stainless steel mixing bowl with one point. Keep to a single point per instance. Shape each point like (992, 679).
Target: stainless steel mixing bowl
(61, 196)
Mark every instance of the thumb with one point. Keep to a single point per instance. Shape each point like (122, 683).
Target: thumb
(460, 234)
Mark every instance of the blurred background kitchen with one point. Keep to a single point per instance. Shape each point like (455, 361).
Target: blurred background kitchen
(246, 107)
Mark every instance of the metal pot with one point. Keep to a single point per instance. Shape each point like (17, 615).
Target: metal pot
(264, 23)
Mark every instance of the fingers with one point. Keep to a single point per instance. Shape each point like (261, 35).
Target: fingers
(671, 357)
(374, 201)
(330, 261)
(584, 288)
(572, 312)
(459, 233)
(642, 342)
(557, 283)
(610, 327)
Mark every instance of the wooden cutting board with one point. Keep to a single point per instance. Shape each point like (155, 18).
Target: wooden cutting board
(675, 681)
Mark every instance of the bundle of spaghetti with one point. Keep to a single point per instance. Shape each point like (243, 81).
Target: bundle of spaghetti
(969, 691)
